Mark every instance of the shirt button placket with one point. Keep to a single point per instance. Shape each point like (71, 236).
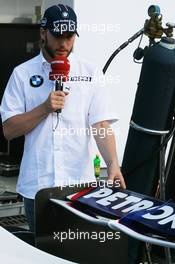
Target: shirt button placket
(57, 151)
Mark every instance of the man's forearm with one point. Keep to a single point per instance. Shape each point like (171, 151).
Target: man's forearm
(23, 123)
(106, 144)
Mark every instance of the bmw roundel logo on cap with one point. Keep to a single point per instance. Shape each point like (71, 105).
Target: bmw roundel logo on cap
(36, 80)
(65, 14)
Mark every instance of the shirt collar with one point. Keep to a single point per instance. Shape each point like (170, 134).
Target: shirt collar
(45, 63)
(71, 57)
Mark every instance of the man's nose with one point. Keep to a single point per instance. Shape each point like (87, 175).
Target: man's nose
(62, 42)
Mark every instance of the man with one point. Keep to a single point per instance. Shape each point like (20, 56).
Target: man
(28, 108)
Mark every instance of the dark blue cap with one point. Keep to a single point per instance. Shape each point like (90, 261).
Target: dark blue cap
(59, 19)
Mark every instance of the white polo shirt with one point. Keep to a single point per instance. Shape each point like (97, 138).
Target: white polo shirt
(61, 157)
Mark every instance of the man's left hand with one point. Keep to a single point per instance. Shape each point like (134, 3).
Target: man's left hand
(115, 175)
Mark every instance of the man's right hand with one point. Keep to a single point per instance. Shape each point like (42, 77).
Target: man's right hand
(22, 124)
(55, 101)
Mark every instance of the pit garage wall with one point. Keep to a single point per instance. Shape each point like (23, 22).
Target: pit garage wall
(127, 17)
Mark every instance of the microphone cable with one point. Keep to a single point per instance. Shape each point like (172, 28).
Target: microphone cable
(58, 119)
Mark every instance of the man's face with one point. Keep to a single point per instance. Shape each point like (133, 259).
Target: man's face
(57, 46)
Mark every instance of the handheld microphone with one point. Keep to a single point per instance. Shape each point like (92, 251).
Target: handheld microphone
(60, 67)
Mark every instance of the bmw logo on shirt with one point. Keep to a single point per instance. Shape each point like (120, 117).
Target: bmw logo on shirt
(36, 80)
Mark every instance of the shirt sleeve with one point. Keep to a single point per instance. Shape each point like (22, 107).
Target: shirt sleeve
(13, 102)
(101, 106)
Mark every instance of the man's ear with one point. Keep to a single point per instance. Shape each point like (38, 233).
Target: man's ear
(42, 34)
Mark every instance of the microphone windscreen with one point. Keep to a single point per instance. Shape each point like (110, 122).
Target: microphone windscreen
(60, 67)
